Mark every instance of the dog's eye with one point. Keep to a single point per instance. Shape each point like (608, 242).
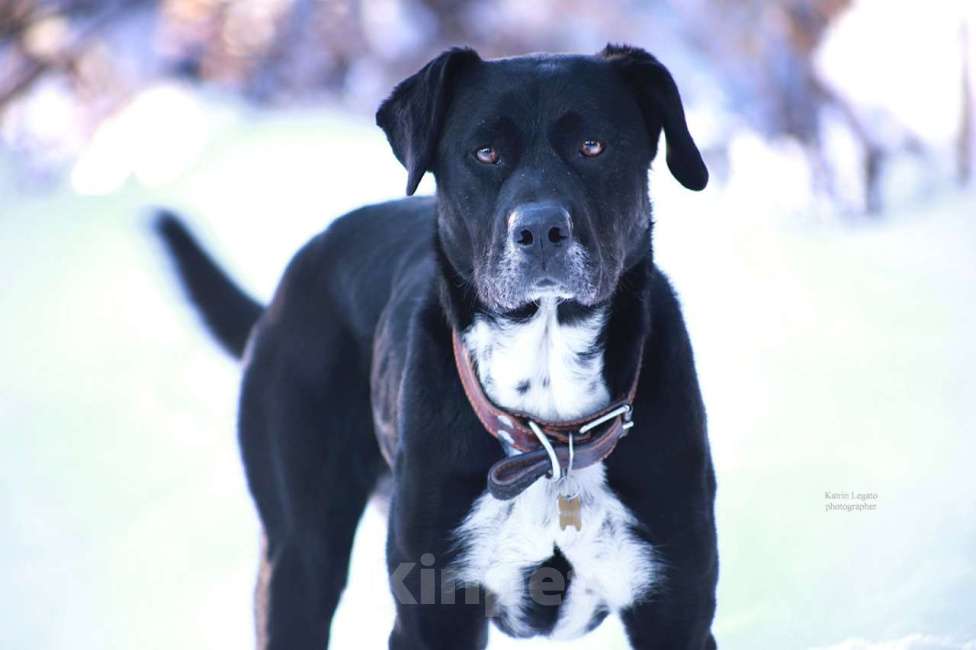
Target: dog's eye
(591, 148)
(487, 155)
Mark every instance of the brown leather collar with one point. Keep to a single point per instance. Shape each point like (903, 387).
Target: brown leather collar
(510, 476)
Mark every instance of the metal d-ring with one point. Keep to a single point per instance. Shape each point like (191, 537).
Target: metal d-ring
(544, 441)
(623, 409)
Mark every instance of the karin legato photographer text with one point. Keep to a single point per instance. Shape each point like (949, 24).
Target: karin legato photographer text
(850, 501)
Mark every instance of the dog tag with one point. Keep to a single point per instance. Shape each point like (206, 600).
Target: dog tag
(570, 513)
(570, 504)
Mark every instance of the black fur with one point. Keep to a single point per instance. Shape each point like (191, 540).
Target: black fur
(662, 109)
(357, 339)
(228, 312)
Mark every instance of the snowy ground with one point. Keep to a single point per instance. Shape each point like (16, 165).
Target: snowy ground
(833, 358)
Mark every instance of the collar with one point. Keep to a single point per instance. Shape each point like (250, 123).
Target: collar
(547, 447)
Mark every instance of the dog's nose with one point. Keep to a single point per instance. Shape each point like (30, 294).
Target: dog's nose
(539, 226)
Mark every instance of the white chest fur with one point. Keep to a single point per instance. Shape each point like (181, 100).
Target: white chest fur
(553, 371)
(540, 366)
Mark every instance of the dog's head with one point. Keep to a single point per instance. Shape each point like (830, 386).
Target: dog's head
(541, 164)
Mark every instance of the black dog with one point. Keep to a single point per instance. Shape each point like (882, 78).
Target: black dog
(513, 327)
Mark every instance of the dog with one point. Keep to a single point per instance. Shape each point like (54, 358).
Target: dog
(505, 354)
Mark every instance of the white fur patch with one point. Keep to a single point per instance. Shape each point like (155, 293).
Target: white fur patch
(501, 540)
(552, 363)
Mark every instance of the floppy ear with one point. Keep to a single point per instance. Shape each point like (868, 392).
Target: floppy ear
(660, 103)
(413, 115)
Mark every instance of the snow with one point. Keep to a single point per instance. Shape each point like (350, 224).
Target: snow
(910, 642)
(833, 357)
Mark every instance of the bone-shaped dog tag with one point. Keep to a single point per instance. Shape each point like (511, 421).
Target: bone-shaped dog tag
(570, 505)
(570, 512)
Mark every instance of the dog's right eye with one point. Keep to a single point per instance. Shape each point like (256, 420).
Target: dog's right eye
(592, 148)
(487, 155)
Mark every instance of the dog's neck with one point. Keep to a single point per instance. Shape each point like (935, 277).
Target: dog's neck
(548, 363)
(554, 360)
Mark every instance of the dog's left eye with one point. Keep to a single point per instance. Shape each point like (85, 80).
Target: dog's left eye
(487, 155)
(592, 148)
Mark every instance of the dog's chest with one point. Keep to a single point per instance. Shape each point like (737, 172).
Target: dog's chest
(555, 371)
(540, 366)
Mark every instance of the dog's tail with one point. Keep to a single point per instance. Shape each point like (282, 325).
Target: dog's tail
(228, 312)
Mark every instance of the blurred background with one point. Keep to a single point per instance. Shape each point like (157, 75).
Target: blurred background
(828, 276)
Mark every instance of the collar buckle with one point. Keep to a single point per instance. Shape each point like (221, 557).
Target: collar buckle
(625, 410)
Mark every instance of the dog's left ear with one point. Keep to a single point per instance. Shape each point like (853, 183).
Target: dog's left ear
(661, 105)
(413, 115)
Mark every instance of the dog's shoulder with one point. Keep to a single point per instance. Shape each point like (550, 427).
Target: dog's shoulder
(669, 357)
(372, 238)
(350, 271)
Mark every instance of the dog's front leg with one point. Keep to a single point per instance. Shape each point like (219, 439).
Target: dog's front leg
(433, 611)
(679, 616)
(653, 625)
(442, 459)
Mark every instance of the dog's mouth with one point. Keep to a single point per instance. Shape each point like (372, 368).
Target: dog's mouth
(550, 287)
(515, 282)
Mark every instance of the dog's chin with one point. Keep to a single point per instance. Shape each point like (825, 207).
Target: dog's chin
(549, 291)
(503, 297)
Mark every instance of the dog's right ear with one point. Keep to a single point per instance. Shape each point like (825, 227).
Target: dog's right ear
(413, 115)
